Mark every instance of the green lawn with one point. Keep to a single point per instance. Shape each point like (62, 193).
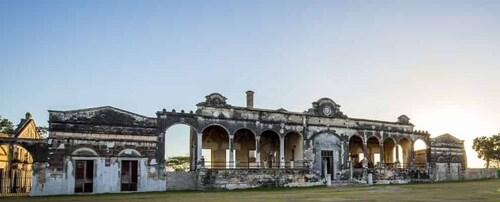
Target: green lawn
(484, 190)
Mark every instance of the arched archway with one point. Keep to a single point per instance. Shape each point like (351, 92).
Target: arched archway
(4, 154)
(389, 153)
(293, 149)
(215, 144)
(327, 153)
(420, 153)
(373, 147)
(269, 149)
(129, 153)
(129, 175)
(244, 147)
(404, 152)
(356, 153)
(180, 147)
(84, 169)
(15, 169)
(84, 152)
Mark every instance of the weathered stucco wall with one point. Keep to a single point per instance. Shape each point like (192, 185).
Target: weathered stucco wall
(106, 177)
(326, 142)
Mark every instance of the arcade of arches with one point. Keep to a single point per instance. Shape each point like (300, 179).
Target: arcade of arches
(16, 161)
(403, 154)
(246, 150)
(15, 169)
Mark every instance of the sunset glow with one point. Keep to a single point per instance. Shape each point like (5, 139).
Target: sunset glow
(436, 62)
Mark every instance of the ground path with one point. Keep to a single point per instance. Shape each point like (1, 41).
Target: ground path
(484, 190)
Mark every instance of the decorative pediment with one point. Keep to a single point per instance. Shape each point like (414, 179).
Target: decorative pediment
(28, 131)
(282, 110)
(214, 100)
(107, 115)
(27, 128)
(326, 107)
(447, 138)
(403, 119)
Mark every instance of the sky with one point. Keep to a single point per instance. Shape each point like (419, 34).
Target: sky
(435, 61)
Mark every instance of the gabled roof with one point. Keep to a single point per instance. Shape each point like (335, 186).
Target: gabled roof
(447, 138)
(99, 108)
(106, 115)
(28, 130)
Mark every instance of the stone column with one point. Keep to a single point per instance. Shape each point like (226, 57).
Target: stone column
(382, 154)
(282, 152)
(366, 153)
(397, 154)
(411, 155)
(341, 152)
(231, 152)
(257, 151)
(198, 150)
(365, 146)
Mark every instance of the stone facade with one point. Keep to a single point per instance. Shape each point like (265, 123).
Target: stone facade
(99, 150)
(106, 149)
(448, 158)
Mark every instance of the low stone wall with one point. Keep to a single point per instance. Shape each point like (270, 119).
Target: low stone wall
(242, 179)
(481, 173)
(392, 175)
(182, 180)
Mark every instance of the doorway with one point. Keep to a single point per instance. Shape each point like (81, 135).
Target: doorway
(327, 163)
(84, 176)
(129, 176)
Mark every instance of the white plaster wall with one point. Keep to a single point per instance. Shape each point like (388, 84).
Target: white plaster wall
(156, 181)
(441, 169)
(53, 185)
(51, 182)
(106, 178)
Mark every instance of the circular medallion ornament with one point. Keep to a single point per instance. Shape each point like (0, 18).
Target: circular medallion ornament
(327, 110)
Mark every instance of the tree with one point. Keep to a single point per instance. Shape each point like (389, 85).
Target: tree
(488, 149)
(178, 163)
(43, 131)
(6, 126)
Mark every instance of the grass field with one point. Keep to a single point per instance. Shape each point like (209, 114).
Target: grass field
(484, 190)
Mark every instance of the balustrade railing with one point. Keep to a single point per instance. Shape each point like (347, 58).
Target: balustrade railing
(19, 186)
(302, 164)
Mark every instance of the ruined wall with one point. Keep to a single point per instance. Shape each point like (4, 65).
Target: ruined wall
(481, 173)
(253, 178)
(182, 180)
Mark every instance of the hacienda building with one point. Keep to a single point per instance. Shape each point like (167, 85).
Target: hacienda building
(105, 149)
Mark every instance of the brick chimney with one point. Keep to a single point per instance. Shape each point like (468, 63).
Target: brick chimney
(250, 99)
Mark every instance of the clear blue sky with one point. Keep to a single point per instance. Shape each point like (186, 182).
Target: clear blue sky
(437, 62)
